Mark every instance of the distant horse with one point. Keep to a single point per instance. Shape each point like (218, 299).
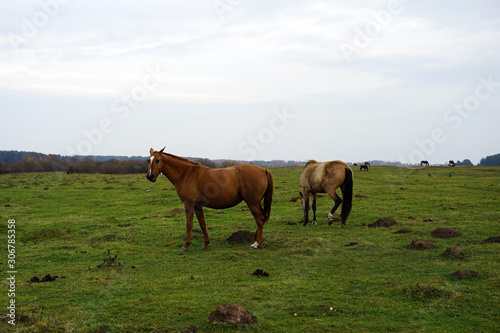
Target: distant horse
(451, 163)
(367, 163)
(70, 171)
(422, 163)
(326, 177)
(363, 167)
(199, 186)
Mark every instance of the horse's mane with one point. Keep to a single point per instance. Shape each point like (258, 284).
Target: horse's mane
(183, 159)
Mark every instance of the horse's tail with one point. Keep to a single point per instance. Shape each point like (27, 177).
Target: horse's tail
(347, 195)
(268, 197)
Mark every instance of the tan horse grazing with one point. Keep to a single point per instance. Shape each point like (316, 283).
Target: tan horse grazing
(326, 177)
(199, 186)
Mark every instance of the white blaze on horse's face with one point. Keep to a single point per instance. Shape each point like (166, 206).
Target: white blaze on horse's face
(150, 164)
(150, 176)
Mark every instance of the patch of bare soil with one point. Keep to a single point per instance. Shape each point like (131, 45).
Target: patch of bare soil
(493, 239)
(452, 252)
(384, 222)
(46, 278)
(259, 272)
(233, 314)
(420, 244)
(464, 273)
(110, 261)
(445, 233)
(103, 329)
(404, 231)
(190, 329)
(241, 236)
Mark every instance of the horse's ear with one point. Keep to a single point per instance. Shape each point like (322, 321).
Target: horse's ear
(151, 151)
(161, 151)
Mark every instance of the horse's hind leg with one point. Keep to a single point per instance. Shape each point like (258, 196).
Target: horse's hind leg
(338, 201)
(203, 226)
(256, 211)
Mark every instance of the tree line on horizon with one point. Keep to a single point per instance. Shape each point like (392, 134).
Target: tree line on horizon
(16, 162)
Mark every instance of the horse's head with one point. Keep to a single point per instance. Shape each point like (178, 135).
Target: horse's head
(154, 164)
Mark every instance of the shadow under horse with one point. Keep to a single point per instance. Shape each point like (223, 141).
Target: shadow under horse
(326, 177)
(199, 186)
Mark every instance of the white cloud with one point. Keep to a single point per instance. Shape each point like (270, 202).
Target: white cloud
(262, 55)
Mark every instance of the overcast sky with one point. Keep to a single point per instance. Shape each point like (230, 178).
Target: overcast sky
(252, 80)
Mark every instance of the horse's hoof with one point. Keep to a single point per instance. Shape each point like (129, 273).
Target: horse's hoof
(183, 249)
(254, 246)
(341, 226)
(315, 223)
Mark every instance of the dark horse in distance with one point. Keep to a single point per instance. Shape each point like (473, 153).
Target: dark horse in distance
(326, 177)
(199, 186)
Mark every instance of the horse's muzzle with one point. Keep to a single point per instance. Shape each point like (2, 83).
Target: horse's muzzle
(151, 177)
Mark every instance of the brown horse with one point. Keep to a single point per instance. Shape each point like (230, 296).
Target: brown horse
(199, 186)
(422, 163)
(326, 177)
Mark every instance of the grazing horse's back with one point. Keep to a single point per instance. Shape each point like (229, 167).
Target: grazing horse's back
(318, 177)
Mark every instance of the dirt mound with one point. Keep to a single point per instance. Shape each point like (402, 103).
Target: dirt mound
(259, 272)
(46, 278)
(241, 236)
(233, 314)
(452, 252)
(420, 244)
(494, 239)
(383, 223)
(464, 273)
(445, 233)
(110, 261)
(404, 231)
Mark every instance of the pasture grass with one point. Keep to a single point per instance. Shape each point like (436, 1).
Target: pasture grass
(114, 240)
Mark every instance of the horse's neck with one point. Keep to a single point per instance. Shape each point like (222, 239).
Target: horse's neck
(175, 168)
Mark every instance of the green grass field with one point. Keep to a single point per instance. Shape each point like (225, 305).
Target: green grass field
(74, 226)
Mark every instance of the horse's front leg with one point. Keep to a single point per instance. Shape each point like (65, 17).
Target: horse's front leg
(314, 197)
(305, 207)
(189, 226)
(203, 226)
